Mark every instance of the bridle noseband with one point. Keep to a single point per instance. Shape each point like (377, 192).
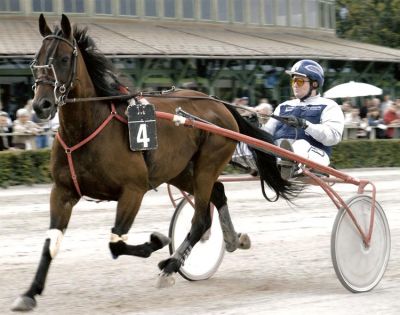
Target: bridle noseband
(61, 89)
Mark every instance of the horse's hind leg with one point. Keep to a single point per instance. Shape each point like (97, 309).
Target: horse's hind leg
(201, 222)
(232, 239)
(61, 203)
(127, 209)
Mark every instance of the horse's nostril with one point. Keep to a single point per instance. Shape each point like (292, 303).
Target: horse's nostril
(46, 104)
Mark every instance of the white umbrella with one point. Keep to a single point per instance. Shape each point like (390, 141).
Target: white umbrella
(352, 89)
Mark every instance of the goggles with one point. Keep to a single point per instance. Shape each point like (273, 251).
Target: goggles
(299, 81)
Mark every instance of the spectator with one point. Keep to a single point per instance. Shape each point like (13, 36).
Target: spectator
(250, 114)
(347, 109)
(12, 107)
(375, 120)
(385, 104)
(356, 127)
(362, 123)
(374, 104)
(235, 101)
(26, 130)
(392, 117)
(364, 108)
(5, 127)
(244, 101)
(355, 118)
(41, 140)
(264, 109)
(265, 106)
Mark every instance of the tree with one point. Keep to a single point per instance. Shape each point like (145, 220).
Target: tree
(369, 21)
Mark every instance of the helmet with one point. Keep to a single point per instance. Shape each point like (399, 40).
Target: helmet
(308, 68)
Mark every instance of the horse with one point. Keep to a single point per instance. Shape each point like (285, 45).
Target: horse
(91, 156)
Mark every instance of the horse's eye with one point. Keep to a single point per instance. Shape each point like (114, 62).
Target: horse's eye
(65, 59)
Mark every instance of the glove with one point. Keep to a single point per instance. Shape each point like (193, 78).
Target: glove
(296, 122)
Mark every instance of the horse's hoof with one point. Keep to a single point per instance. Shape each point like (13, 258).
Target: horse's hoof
(23, 304)
(231, 247)
(159, 239)
(206, 236)
(244, 241)
(165, 281)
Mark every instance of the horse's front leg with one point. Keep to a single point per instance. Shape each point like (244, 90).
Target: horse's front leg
(127, 209)
(61, 203)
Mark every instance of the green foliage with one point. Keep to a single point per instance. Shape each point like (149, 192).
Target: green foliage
(41, 166)
(33, 167)
(6, 169)
(24, 167)
(370, 21)
(366, 153)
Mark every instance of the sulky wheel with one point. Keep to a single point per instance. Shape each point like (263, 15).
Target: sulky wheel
(360, 268)
(206, 256)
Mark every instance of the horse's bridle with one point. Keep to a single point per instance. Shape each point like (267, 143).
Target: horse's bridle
(61, 89)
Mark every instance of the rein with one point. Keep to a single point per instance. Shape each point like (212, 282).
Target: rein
(69, 150)
(160, 95)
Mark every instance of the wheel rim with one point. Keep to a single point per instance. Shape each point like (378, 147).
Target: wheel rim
(207, 254)
(360, 268)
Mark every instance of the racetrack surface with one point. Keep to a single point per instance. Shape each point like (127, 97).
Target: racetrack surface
(288, 270)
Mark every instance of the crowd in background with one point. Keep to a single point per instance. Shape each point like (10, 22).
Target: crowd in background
(23, 130)
(382, 116)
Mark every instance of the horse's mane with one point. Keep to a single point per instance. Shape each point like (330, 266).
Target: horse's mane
(101, 69)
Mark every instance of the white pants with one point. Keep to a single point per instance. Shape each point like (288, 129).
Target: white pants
(242, 155)
(300, 147)
(241, 150)
(306, 150)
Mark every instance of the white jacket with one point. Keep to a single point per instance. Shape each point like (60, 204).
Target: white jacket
(328, 131)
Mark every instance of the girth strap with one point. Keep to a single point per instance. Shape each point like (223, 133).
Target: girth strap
(69, 150)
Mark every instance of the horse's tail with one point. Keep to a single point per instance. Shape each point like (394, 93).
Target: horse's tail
(266, 162)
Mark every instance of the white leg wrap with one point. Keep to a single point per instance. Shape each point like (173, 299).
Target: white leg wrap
(116, 238)
(55, 237)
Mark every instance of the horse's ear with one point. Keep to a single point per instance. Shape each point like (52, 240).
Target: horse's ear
(66, 26)
(43, 27)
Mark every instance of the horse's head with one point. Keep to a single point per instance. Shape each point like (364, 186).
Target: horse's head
(54, 68)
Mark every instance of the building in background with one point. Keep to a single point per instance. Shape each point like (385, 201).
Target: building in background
(224, 47)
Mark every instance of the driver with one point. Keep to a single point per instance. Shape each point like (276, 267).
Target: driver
(313, 124)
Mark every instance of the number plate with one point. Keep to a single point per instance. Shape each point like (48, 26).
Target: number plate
(142, 127)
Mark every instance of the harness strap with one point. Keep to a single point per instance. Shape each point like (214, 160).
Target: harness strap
(69, 150)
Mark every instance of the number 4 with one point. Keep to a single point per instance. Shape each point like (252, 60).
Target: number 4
(142, 135)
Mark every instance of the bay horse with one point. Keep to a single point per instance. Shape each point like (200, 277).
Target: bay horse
(100, 165)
